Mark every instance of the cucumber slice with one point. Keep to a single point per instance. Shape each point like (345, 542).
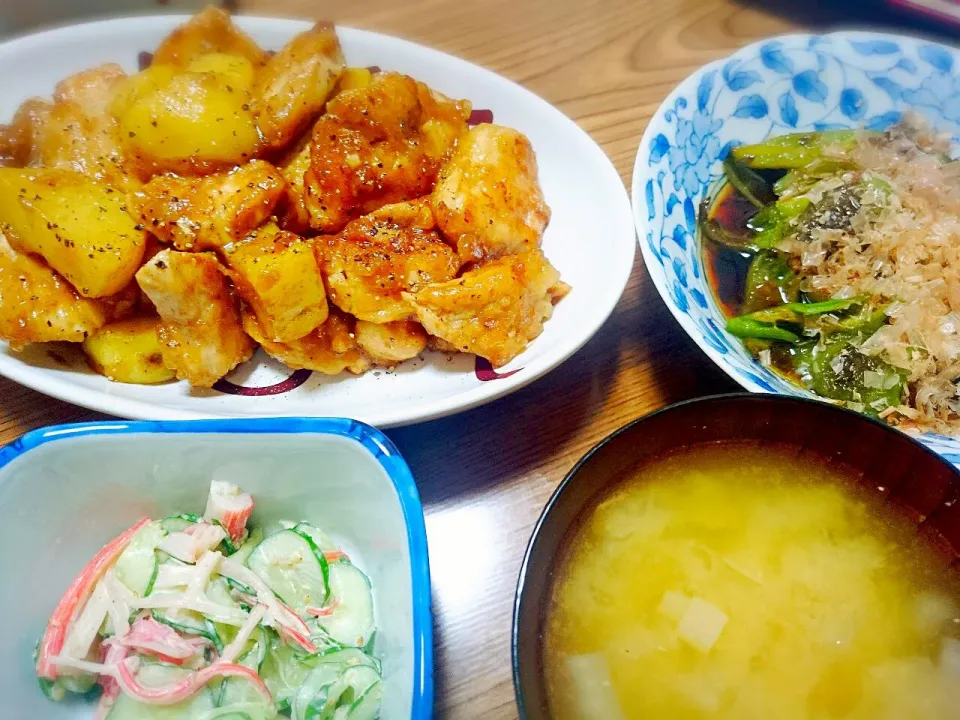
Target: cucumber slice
(367, 706)
(137, 565)
(284, 672)
(57, 690)
(348, 657)
(159, 675)
(253, 539)
(242, 712)
(321, 638)
(218, 590)
(314, 693)
(319, 537)
(190, 623)
(179, 523)
(337, 698)
(293, 567)
(351, 622)
(238, 691)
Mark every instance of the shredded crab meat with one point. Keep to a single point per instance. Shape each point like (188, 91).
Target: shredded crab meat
(149, 636)
(173, 576)
(279, 613)
(189, 546)
(186, 688)
(83, 632)
(55, 635)
(194, 596)
(232, 651)
(204, 606)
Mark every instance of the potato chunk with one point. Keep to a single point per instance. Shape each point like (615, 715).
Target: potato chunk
(391, 343)
(294, 85)
(492, 311)
(277, 274)
(201, 334)
(209, 31)
(129, 351)
(207, 213)
(330, 349)
(81, 228)
(378, 257)
(352, 78)
(383, 143)
(488, 199)
(188, 122)
(37, 305)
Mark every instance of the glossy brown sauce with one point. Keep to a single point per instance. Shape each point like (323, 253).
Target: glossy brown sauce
(726, 268)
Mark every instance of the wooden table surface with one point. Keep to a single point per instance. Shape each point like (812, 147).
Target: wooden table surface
(484, 475)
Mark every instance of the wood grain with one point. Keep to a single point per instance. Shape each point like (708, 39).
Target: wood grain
(484, 475)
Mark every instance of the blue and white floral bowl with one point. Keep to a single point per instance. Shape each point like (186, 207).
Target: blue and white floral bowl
(781, 85)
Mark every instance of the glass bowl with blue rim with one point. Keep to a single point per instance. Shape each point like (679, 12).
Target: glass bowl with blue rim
(786, 84)
(67, 490)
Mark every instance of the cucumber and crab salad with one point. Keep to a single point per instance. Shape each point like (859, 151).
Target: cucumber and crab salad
(209, 617)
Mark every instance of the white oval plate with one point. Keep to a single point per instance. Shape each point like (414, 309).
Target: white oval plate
(591, 241)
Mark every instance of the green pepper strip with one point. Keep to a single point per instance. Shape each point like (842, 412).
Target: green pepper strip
(748, 327)
(771, 223)
(748, 183)
(763, 323)
(791, 151)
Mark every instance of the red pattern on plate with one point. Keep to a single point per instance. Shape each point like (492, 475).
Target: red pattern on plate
(485, 372)
(479, 117)
(298, 378)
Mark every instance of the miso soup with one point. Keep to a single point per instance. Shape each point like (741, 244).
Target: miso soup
(746, 582)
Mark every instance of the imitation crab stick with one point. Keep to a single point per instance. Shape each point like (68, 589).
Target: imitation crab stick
(186, 688)
(231, 507)
(77, 594)
(325, 611)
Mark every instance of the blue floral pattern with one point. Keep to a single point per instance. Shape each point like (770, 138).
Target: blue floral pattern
(796, 82)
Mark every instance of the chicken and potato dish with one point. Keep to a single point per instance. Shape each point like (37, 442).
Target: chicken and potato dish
(171, 221)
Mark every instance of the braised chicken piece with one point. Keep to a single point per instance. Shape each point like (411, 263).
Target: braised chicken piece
(391, 343)
(377, 258)
(488, 200)
(493, 310)
(292, 213)
(201, 332)
(74, 132)
(206, 213)
(38, 305)
(209, 31)
(277, 275)
(330, 349)
(292, 88)
(379, 144)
